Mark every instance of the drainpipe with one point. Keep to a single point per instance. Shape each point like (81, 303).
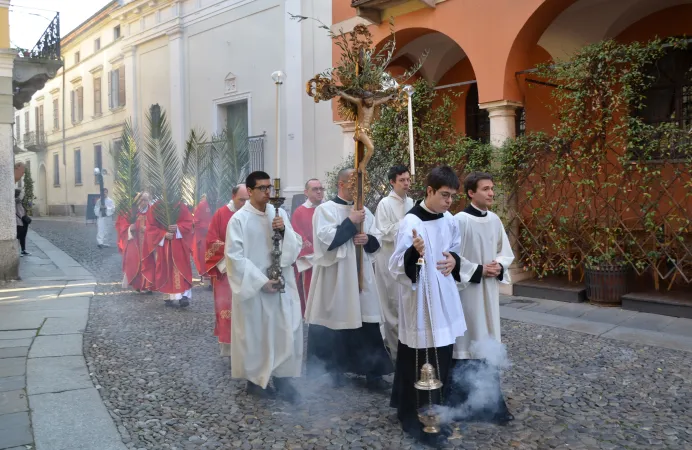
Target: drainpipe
(64, 162)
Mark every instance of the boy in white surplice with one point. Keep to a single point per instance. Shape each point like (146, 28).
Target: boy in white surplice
(486, 255)
(427, 230)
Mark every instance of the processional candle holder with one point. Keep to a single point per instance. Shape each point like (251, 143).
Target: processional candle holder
(427, 383)
(274, 271)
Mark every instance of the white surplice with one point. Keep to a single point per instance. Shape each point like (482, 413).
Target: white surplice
(334, 301)
(267, 330)
(483, 240)
(442, 298)
(389, 213)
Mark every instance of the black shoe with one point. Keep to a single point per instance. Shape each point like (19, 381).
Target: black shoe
(503, 419)
(376, 384)
(25, 253)
(285, 390)
(169, 303)
(338, 380)
(184, 302)
(147, 292)
(257, 391)
(99, 246)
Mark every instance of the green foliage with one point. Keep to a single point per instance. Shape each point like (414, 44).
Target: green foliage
(29, 197)
(127, 182)
(436, 142)
(230, 155)
(164, 169)
(197, 165)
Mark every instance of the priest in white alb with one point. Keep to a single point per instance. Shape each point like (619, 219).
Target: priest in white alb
(344, 323)
(266, 325)
(486, 255)
(430, 313)
(388, 214)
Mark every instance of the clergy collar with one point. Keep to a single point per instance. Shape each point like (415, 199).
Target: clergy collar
(397, 196)
(473, 210)
(309, 204)
(231, 206)
(423, 213)
(340, 201)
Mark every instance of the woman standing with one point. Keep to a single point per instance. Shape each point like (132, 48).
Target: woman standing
(22, 224)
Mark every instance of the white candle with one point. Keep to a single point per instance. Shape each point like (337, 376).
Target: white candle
(279, 77)
(409, 91)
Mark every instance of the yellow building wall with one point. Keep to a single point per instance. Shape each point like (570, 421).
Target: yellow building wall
(4, 28)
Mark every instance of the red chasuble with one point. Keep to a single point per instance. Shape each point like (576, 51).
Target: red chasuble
(173, 267)
(216, 252)
(134, 262)
(301, 221)
(201, 220)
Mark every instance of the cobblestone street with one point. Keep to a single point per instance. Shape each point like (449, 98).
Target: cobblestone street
(166, 386)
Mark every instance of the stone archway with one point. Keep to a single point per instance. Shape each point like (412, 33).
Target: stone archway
(42, 199)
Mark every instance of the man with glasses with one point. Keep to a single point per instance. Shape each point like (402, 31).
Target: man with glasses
(266, 325)
(389, 213)
(215, 265)
(302, 224)
(344, 333)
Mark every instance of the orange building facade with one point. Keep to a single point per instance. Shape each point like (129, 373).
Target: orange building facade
(481, 49)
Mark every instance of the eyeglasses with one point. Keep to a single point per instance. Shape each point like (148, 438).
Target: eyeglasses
(318, 189)
(266, 188)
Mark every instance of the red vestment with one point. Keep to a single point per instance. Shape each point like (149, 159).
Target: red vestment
(202, 217)
(173, 273)
(134, 262)
(301, 221)
(216, 252)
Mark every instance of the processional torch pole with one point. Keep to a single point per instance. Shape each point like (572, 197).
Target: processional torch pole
(409, 90)
(274, 271)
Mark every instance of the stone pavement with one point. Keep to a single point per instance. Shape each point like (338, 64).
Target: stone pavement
(165, 386)
(612, 323)
(47, 398)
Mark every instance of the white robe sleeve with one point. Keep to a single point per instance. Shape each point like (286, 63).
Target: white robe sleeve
(292, 242)
(505, 256)
(404, 240)
(324, 225)
(386, 222)
(110, 207)
(373, 231)
(468, 268)
(245, 278)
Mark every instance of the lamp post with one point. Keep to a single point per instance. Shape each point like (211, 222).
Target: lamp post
(274, 271)
(409, 90)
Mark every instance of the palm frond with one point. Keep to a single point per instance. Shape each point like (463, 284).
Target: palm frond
(163, 168)
(127, 183)
(196, 164)
(232, 151)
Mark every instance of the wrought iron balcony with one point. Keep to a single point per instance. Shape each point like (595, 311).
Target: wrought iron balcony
(32, 69)
(35, 141)
(372, 9)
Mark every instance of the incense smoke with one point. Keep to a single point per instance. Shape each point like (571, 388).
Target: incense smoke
(474, 390)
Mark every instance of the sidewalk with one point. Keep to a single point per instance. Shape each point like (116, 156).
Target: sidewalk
(612, 323)
(47, 398)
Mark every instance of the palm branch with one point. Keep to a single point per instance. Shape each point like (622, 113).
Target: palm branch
(235, 160)
(197, 163)
(127, 183)
(163, 168)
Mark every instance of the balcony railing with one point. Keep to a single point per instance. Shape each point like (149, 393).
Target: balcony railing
(48, 46)
(35, 141)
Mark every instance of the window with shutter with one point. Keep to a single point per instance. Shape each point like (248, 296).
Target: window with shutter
(80, 103)
(37, 120)
(56, 170)
(110, 90)
(17, 127)
(121, 86)
(72, 106)
(40, 127)
(77, 167)
(56, 115)
(26, 122)
(97, 96)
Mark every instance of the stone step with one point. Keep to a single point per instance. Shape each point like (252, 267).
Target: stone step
(551, 289)
(676, 304)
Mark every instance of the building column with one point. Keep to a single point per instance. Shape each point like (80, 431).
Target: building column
(348, 128)
(293, 90)
(9, 250)
(503, 126)
(176, 112)
(130, 62)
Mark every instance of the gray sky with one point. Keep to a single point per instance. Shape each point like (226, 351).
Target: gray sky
(30, 18)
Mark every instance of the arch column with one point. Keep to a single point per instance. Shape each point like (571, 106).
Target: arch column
(503, 123)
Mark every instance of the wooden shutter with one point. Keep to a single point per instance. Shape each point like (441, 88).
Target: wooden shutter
(80, 102)
(121, 86)
(72, 105)
(110, 90)
(97, 96)
(56, 116)
(37, 122)
(41, 126)
(26, 122)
